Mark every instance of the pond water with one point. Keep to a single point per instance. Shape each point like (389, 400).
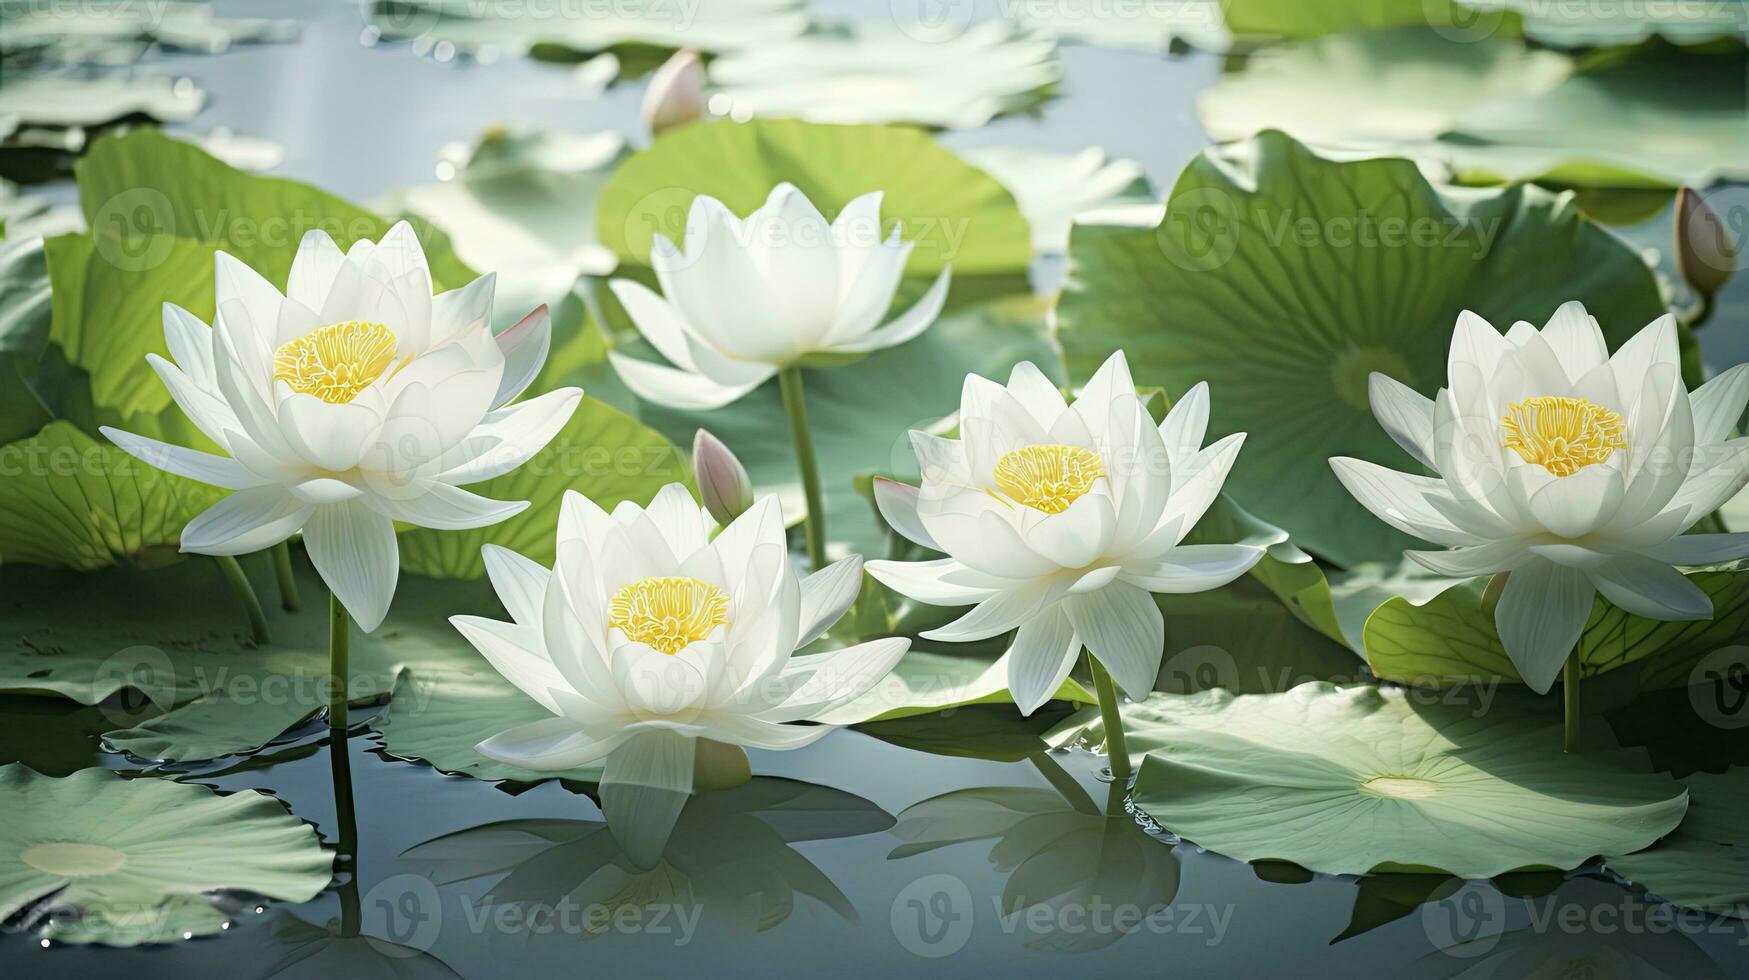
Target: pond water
(806, 870)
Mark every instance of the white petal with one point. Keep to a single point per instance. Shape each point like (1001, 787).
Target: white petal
(548, 745)
(465, 308)
(190, 342)
(1003, 611)
(331, 436)
(1482, 559)
(1541, 614)
(1042, 655)
(659, 322)
(674, 388)
(897, 503)
(205, 407)
(1718, 405)
(313, 269)
(521, 583)
(235, 281)
(510, 437)
(1649, 588)
(1476, 344)
(1193, 568)
(1576, 339)
(1400, 500)
(679, 520)
(825, 681)
(517, 653)
(1075, 537)
(652, 759)
(943, 582)
(354, 550)
(1701, 549)
(1121, 625)
(219, 471)
(244, 522)
(524, 345)
(1187, 423)
(906, 325)
(1405, 414)
(1036, 393)
(827, 595)
(444, 508)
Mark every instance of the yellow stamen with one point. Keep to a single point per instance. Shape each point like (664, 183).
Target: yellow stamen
(1048, 478)
(335, 362)
(1563, 435)
(668, 612)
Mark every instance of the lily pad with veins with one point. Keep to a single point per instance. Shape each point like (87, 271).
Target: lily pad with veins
(96, 858)
(1366, 779)
(1705, 863)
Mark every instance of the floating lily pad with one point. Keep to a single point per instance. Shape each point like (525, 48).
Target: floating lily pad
(85, 637)
(63, 101)
(1052, 189)
(139, 861)
(523, 204)
(1660, 118)
(957, 214)
(440, 719)
(548, 32)
(1363, 779)
(1330, 271)
(1450, 638)
(1373, 90)
(1575, 25)
(1705, 863)
(1142, 26)
(882, 74)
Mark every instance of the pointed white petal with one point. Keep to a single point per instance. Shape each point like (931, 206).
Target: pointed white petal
(354, 550)
(943, 582)
(1405, 414)
(521, 583)
(1193, 568)
(1121, 625)
(219, 471)
(524, 345)
(444, 508)
(1541, 614)
(517, 653)
(827, 595)
(897, 503)
(1701, 549)
(1040, 659)
(1649, 588)
(1481, 559)
(677, 389)
(906, 325)
(548, 745)
(1003, 611)
(1718, 405)
(244, 522)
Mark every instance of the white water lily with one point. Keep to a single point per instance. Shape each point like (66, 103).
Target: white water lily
(354, 400)
(1059, 520)
(1574, 470)
(781, 288)
(648, 636)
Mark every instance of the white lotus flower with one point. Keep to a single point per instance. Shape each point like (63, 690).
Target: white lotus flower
(1060, 520)
(1573, 470)
(648, 635)
(354, 400)
(750, 297)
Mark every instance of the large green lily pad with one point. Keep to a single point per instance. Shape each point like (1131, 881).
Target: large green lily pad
(1330, 270)
(1362, 779)
(86, 637)
(66, 499)
(1450, 639)
(875, 73)
(1705, 863)
(138, 860)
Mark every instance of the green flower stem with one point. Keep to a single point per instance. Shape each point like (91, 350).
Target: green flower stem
(1116, 751)
(796, 407)
(1062, 782)
(346, 820)
(288, 585)
(339, 671)
(1570, 701)
(245, 594)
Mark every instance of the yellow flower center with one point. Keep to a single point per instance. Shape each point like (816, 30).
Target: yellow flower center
(335, 362)
(668, 612)
(1563, 435)
(1048, 478)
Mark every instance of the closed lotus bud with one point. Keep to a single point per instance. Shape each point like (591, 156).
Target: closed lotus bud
(723, 484)
(1705, 253)
(676, 92)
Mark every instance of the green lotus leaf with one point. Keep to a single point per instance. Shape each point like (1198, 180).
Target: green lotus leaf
(1311, 18)
(439, 720)
(1705, 863)
(1378, 89)
(1577, 25)
(884, 73)
(957, 214)
(1364, 779)
(137, 858)
(85, 637)
(1450, 638)
(925, 682)
(66, 499)
(601, 453)
(859, 415)
(1660, 118)
(1331, 271)
(29, 390)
